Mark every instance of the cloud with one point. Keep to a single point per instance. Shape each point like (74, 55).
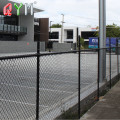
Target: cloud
(77, 12)
(74, 10)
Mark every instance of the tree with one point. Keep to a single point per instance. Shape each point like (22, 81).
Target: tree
(56, 26)
(111, 31)
(81, 42)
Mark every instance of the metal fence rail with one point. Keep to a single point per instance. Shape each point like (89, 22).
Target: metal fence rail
(43, 86)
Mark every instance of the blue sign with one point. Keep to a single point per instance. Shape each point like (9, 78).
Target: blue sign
(119, 42)
(93, 42)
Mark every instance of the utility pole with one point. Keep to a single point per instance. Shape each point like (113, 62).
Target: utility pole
(50, 35)
(62, 28)
(102, 39)
(50, 28)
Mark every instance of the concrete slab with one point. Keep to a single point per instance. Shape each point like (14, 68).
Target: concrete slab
(107, 108)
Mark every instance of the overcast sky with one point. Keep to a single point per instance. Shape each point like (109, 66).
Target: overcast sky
(81, 13)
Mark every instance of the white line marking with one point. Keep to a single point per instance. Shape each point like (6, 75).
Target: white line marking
(35, 88)
(22, 103)
(18, 86)
(60, 81)
(57, 90)
(85, 83)
(50, 79)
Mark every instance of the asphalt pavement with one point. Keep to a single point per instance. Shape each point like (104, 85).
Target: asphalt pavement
(58, 84)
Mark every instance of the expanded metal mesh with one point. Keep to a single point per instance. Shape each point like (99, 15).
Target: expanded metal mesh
(18, 89)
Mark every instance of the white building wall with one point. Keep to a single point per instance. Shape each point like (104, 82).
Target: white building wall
(56, 30)
(75, 35)
(84, 29)
(65, 29)
(74, 29)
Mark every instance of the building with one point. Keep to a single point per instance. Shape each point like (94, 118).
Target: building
(70, 34)
(41, 29)
(17, 28)
(86, 33)
(21, 31)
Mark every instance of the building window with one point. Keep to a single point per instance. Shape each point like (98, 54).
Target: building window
(87, 34)
(54, 35)
(70, 34)
(10, 20)
(8, 37)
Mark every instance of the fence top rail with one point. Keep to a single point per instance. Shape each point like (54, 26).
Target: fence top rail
(17, 56)
(82, 50)
(57, 53)
(53, 53)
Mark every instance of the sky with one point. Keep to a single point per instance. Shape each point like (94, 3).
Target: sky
(80, 13)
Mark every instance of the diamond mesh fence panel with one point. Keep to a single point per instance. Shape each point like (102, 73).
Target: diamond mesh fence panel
(119, 63)
(89, 72)
(18, 89)
(107, 66)
(58, 84)
(114, 65)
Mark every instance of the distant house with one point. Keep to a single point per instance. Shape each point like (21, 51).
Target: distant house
(70, 34)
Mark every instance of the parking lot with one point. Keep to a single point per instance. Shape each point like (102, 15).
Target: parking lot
(58, 81)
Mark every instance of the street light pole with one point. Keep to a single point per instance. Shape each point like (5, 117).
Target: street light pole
(50, 28)
(50, 35)
(102, 39)
(62, 28)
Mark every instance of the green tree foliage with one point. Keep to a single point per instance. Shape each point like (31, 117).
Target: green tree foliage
(81, 42)
(56, 26)
(111, 31)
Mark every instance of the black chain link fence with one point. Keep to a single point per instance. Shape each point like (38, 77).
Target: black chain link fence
(58, 82)
(18, 88)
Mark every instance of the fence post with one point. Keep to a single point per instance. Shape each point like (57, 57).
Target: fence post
(117, 48)
(37, 82)
(110, 61)
(79, 78)
(98, 91)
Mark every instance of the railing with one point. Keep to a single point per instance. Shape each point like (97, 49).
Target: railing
(12, 29)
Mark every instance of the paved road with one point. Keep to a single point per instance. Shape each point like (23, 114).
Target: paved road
(58, 81)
